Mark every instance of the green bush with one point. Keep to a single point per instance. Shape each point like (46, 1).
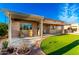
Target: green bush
(3, 29)
(5, 44)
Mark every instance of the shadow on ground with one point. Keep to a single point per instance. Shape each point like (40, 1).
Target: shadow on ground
(65, 48)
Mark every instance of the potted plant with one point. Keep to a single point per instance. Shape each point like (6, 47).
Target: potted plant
(5, 44)
(4, 47)
(21, 34)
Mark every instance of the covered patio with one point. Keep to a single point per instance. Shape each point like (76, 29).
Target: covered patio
(26, 34)
(29, 28)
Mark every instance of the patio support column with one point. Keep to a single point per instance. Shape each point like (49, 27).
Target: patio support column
(50, 29)
(41, 28)
(63, 29)
(9, 30)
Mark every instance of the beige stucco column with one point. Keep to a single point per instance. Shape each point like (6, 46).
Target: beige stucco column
(62, 29)
(41, 27)
(50, 29)
(9, 29)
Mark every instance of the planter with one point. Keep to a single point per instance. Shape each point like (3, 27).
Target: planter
(8, 51)
(4, 52)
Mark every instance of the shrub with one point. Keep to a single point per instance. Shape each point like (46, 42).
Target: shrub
(10, 49)
(3, 29)
(5, 44)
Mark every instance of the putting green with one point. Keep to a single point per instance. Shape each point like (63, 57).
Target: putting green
(62, 44)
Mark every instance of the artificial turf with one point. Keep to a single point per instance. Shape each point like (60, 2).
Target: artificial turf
(63, 44)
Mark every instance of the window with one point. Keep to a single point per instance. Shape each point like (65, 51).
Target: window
(26, 26)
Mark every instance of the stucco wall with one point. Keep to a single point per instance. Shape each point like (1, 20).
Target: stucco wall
(46, 29)
(16, 28)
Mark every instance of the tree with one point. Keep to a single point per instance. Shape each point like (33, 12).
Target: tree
(3, 29)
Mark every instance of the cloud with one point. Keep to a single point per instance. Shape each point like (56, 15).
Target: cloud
(68, 13)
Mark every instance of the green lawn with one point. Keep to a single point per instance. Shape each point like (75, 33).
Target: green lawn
(54, 43)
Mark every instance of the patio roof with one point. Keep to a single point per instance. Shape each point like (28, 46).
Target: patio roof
(23, 16)
(53, 22)
(31, 17)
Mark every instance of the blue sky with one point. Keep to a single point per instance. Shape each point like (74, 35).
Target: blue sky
(49, 10)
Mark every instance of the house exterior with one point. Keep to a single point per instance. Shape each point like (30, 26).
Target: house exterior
(71, 28)
(75, 26)
(26, 25)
